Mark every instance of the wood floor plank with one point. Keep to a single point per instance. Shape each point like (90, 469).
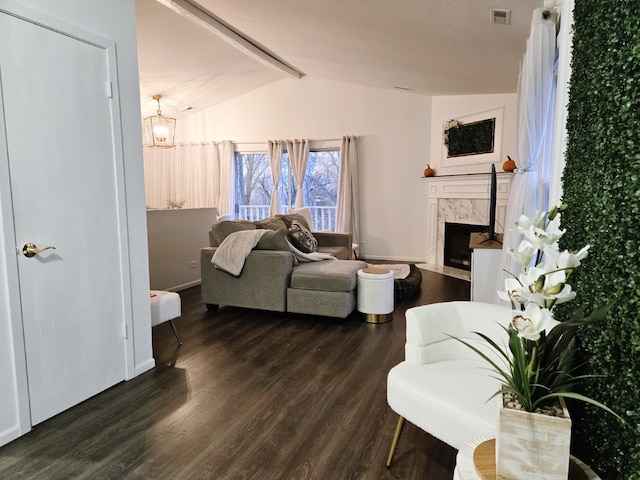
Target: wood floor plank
(250, 395)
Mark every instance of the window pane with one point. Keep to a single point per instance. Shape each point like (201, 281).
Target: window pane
(253, 186)
(320, 186)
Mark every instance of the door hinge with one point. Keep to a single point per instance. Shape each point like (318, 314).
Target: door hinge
(124, 330)
(109, 89)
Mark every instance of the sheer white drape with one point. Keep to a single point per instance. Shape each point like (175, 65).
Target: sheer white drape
(348, 204)
(224, 152)
(199, 174)
(157, 176)
(298, 157)
(536, 109)
(275, 161)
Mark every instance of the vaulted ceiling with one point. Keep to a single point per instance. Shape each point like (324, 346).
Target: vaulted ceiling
(431, 47)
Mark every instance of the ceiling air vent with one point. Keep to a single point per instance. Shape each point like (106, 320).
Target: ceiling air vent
(501, 17)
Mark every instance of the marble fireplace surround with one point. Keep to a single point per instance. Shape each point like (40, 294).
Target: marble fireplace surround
(461, 199)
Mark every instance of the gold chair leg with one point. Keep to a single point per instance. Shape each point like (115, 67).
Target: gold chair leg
(396, 437)
(175, 331)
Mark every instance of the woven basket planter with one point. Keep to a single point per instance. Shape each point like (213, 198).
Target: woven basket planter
(531, 446)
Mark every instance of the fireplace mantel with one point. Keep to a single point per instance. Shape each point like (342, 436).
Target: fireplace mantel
(462, 199)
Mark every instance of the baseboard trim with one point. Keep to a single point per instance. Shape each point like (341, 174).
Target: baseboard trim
(392, 259)
(183, 286)
(449, 271)
(144, 367)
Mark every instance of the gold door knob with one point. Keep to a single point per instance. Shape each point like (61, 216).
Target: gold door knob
(30, 250)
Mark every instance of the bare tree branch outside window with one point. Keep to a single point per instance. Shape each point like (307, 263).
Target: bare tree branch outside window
(254, 185)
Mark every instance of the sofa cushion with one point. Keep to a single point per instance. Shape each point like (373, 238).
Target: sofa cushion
(327, 275)
(273, 240)
(302, 238)
(272, 223)
(221, 230)
(316, 302)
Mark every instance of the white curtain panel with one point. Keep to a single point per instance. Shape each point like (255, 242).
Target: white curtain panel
(188, 172)
(536, 107)
(211, 188)
(156, 176)
(225, 192)
(348, 204)
(275, 160)
(298, 157)
(196, 175)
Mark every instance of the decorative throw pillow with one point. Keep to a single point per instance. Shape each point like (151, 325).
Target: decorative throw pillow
(222, 230)
(271, 223)
(302, 238)
(290, 217)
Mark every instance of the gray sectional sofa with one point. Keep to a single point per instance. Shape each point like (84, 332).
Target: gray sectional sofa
(272, 279)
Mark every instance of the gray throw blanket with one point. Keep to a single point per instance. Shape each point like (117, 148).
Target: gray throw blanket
(234, 250)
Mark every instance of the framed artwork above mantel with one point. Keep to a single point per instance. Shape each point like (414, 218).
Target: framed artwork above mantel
(485, 146)
(473, 138)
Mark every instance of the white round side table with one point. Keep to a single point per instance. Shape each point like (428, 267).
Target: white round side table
(375, 294)
(466, 468)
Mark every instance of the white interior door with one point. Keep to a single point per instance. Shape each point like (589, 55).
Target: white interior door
(64, 190)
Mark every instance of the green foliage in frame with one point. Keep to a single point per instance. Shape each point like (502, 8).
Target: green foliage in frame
(601, 184)
(470, 138)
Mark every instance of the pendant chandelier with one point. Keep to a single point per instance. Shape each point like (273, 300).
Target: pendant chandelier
(159, 130)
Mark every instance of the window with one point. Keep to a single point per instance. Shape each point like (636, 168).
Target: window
(253, 185)
(320, 186)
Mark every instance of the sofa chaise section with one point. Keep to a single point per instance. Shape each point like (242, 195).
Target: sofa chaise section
(324, 288)
(262, 284)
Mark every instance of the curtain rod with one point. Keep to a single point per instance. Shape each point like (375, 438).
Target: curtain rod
(310, 139)
(236, 142)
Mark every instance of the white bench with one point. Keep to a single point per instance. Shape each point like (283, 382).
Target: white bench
(165, 307)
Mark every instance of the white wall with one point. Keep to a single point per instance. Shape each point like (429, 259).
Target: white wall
(115, 20)
(393, 146)
(175, 239)
(395, 130)
(481, 107)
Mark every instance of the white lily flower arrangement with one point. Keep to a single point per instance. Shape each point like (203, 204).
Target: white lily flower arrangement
(538, 364)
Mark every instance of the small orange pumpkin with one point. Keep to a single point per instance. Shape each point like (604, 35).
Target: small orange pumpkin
(509, 165)
(429, 172)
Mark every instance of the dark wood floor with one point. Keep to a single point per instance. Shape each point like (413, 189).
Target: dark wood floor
(250, 395)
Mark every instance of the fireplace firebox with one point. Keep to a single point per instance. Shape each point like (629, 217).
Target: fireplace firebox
(456, 243)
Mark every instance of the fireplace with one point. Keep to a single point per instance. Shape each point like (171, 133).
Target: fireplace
(461, 199)
(456, 243)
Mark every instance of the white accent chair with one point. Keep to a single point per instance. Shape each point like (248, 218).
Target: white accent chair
(443, 386)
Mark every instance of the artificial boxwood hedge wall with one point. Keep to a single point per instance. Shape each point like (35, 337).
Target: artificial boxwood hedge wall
(601, 184)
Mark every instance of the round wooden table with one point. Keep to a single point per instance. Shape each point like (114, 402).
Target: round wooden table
(477, 461)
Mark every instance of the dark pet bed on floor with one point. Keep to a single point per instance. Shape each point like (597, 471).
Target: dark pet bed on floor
(406, 287)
